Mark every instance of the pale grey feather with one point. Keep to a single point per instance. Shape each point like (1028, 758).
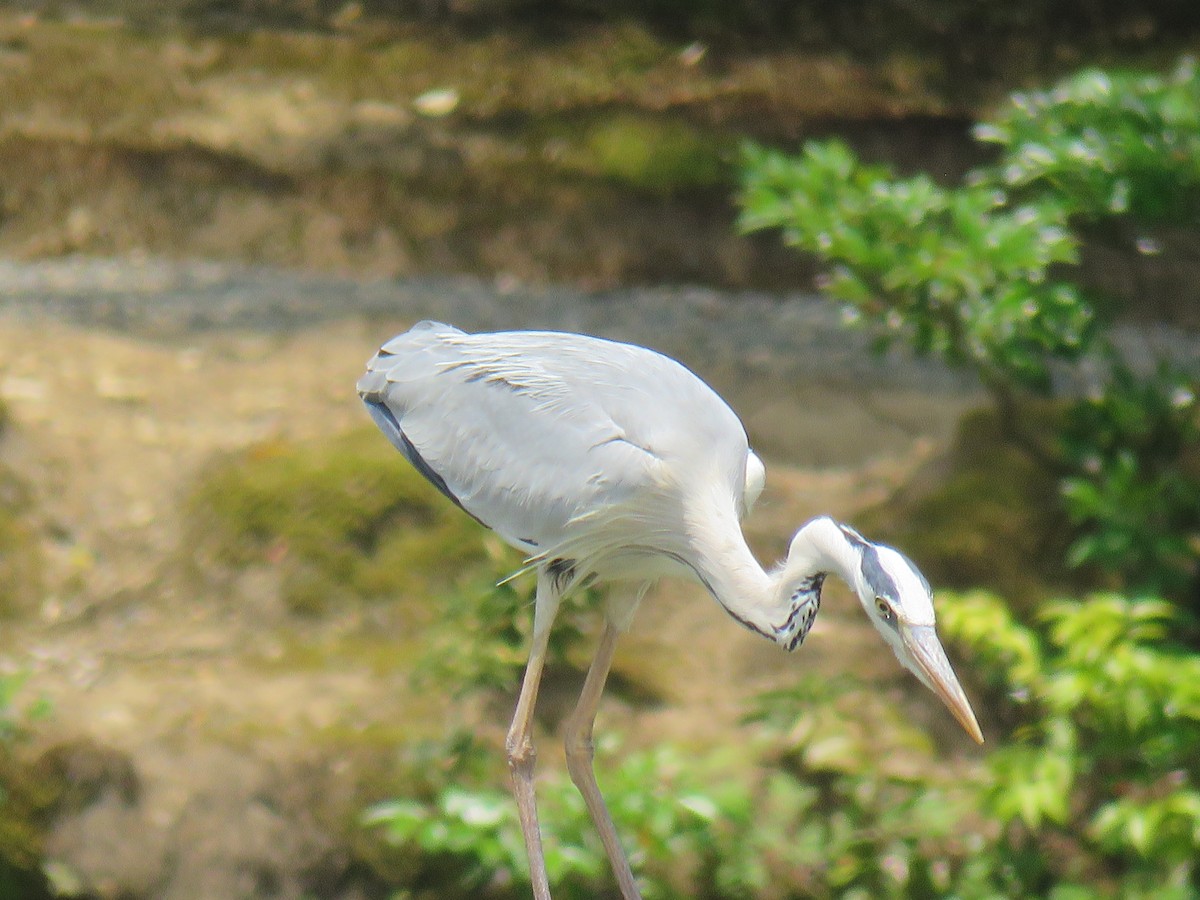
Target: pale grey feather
(530, 431)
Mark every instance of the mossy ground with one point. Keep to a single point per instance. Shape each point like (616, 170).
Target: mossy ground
(599, 153)
(345, 522)
(345, 519)
(32, 788)
(118, 83)
(20, 548)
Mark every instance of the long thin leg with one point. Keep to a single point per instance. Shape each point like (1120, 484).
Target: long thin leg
(580, 751)
(521, 753)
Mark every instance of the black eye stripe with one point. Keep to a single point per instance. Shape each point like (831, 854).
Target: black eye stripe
(872, 569)
(874, 573)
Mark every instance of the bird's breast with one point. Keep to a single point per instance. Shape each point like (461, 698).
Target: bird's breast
(642, 564)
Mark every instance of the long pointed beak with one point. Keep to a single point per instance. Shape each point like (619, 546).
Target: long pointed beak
(926, 651)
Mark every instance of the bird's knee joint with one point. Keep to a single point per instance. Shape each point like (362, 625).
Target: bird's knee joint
(580, 748)
(521, 753)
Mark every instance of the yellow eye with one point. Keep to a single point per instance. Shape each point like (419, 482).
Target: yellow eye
(884, 608)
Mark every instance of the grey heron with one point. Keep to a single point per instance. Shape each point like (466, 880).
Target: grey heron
(605, 461)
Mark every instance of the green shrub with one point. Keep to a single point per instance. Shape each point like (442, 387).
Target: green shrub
(1090, 788)
(956, 272)
(1102, 761)
(1106, 144)
(1134, 487)
(693, 827)
(980, 275)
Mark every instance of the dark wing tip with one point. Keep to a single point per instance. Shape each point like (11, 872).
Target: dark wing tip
(390, 426)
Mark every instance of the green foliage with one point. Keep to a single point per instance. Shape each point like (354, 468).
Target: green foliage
(1101, 764)
(960, 273)
(662, 803)
(1105, 758)
(343, 518)
(1107, 144)
(482, 639)
(705, 827)
(885, 820)
(1090, 789)
(978, 275)
(1135, 450)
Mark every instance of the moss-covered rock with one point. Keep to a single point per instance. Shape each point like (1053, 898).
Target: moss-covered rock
(342, 518)
(655, 155)
(20, 551)
(33, 790)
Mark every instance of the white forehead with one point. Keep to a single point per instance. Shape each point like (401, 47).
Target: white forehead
(893, 576)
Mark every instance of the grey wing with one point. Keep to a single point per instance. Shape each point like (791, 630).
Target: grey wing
(515, 445)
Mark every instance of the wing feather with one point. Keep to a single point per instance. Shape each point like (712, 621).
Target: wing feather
(532, 432)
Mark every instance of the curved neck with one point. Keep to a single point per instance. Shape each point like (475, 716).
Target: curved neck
(781, 604)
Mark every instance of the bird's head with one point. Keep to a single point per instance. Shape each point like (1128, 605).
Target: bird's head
(897, 598)
(899, 602)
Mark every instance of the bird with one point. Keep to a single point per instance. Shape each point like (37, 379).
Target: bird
(608, 462)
